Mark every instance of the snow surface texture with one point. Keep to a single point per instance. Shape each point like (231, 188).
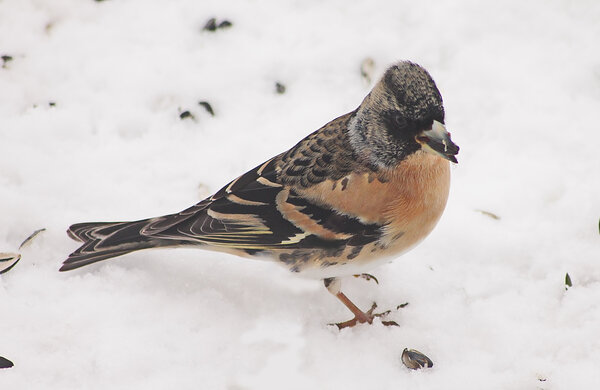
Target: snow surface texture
(487, 300)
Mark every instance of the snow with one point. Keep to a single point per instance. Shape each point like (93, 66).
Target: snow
(487, 300)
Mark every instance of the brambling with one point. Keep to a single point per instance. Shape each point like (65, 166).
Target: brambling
(367, 186)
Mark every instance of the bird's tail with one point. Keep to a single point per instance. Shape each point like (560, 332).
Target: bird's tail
(103, 240)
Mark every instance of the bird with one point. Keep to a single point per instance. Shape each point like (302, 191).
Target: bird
(358, 192)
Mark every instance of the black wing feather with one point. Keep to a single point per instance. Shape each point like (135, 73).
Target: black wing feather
(243, 214)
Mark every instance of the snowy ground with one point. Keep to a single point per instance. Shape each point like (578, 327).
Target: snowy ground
(521, 84)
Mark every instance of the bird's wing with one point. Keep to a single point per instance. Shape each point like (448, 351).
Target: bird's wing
(259, 211)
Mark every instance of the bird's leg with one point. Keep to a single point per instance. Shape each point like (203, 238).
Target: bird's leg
(333, 285)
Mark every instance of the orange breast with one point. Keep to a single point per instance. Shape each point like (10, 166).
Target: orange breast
(422, 184)
(408, 200)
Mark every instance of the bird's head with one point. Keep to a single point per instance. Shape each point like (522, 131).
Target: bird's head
(403, 114)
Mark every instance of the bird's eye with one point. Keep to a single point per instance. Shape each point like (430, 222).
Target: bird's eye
(399, 121)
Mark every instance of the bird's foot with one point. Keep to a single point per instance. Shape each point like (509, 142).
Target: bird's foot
(361, 317)
(367, 277)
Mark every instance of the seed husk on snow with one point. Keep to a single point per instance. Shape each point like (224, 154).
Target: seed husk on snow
(415, 360)
(8, 260)
(5, 363)
(27, 241)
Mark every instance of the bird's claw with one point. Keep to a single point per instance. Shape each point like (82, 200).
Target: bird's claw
(366, 317)
(367, 277)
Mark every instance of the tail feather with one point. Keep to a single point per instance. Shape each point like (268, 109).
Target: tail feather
(104, 240)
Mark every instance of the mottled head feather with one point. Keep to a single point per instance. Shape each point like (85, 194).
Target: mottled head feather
(403, 103)
(415, 92)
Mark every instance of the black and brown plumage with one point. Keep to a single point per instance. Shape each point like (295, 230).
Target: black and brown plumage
(365, 187)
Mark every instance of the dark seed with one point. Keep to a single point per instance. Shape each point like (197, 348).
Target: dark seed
(6, 59)
(568, 282)
(225, 24)
(186, 114)
(211, 25)
(207, 107)
(279, 88)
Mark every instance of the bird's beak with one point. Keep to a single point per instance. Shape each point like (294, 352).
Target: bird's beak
(437, 141)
